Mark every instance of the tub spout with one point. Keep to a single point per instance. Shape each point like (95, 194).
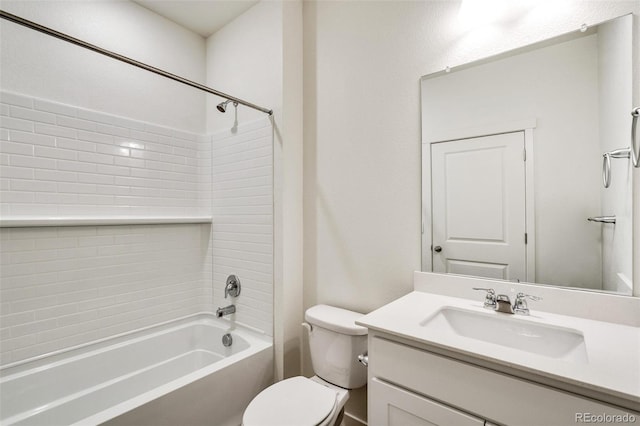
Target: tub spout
(227, 310)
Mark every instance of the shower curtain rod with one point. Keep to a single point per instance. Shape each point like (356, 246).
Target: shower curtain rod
(35, 26)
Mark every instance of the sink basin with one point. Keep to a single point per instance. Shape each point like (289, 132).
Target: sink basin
(510, 331)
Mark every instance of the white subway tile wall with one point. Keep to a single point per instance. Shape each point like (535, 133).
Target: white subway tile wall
(243, 220)
(65, 286)
(62, 160)
(71, 285)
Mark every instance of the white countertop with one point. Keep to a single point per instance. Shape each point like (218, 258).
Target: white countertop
(613, 350)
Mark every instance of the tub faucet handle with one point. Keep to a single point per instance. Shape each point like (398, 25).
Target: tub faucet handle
(232, 288)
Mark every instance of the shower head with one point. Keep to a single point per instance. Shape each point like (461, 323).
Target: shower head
(222, 107)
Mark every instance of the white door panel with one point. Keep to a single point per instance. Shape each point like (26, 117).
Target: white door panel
(475, 192)
(477, 269)
(478, 206)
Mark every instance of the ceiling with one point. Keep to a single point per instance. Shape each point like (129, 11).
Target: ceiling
(203, 17)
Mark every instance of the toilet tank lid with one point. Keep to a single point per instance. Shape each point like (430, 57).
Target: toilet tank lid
(335, 319)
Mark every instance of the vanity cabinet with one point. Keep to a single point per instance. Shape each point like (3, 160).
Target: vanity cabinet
(395, 406)
(410, 385)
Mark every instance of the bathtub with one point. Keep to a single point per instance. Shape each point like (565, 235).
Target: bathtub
(176, 373)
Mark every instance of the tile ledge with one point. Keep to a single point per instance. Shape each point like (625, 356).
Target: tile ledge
(39, 221)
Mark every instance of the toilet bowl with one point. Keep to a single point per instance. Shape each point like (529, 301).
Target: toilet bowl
(335, 342)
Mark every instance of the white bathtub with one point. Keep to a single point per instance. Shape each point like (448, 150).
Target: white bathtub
(177, 373)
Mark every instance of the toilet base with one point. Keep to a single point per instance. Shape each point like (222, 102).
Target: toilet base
(338, 421)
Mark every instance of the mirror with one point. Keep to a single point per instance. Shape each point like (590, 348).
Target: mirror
(513, 150)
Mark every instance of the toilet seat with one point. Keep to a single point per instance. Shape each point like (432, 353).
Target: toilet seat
(297, 401)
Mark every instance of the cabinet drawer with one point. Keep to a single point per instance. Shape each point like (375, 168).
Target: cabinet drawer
(397, 407)
(487, 394)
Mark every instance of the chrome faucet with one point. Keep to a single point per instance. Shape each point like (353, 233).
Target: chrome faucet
(227, 310)
(502, 303)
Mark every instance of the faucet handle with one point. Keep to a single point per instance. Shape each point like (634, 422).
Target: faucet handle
(528, 296)
(520, 304)
(490, 299)
(232, 288)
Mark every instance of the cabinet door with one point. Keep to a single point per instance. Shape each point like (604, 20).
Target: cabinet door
(392, 406)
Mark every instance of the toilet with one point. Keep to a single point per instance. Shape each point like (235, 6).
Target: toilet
(335, 342)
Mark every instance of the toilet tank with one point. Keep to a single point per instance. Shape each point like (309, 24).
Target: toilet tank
(335, 342)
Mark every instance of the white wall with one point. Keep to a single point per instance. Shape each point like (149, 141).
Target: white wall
(258, 57)
(244, 58)
(288, 199)
(39, 65)
(362, 151)
(558, 87)
(362, 63)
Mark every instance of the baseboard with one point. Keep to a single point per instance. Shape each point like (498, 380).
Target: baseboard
(351, 420)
